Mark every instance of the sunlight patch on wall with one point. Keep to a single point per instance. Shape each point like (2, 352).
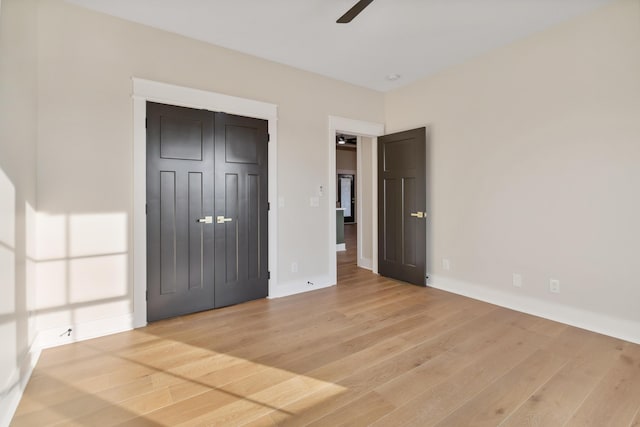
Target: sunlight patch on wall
(100, 310)
(7, 211)
(52, 236)
(30, 231)
(8, 331)
(30, 265)
(7, 280)
(97, 234)
(61, 317)
(52, 284)
(7, 277)
(97, 278)
(8, 362)
(82, 268)
(7, 245)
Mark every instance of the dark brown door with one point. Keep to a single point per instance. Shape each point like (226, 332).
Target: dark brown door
(241, 203)
(401, 206)
(188, 269)
(179, 193)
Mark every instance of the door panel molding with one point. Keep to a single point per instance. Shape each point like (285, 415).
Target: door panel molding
(148, 90)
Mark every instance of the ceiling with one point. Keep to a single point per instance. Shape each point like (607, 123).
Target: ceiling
(411, 38)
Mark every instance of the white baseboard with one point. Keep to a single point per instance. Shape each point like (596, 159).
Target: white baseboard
(366, 263)
(10, 398)
(299, 286)
(627, 330)
(341, 247)
(83, 331)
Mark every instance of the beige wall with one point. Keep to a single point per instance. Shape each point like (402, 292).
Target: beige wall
(86, 61)
(535, 166)
(17, 193)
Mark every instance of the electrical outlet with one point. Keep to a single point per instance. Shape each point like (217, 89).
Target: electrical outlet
(446, 264)
(294, 267)
(554, 286)
(517, 280)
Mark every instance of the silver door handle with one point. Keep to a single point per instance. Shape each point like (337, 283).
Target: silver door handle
(419, 214)
(220, 219)
(206, 220)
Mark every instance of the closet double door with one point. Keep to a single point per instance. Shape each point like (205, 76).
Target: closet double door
(207, 210)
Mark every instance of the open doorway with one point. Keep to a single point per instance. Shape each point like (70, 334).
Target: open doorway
(346, 203)
(366, 216)
(346, 170)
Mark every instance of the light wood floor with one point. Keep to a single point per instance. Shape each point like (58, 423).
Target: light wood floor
(370, 351)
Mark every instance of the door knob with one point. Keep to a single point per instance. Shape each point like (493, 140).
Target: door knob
(206, 220)
(419, 214)
(220, 219)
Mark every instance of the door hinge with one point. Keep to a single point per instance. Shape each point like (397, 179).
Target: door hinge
(268, 206)
(268, 137)
(146, 122)
(146, 295)
(268, 275)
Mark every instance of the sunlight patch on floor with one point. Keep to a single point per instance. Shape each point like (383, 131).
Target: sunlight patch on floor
(152, 382)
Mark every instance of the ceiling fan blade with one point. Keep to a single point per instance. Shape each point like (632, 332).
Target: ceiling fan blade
(353, 12)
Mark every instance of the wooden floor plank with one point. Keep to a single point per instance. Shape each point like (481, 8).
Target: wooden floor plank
(636, 420)
(359, 383)
(504, 395)
(479, 344)
(556, 401)
(615, 399)
(464, 375)
(361, 412)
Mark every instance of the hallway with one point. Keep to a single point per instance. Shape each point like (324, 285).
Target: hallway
(347, 260)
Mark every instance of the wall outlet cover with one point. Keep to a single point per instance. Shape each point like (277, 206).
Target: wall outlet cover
(517, 280)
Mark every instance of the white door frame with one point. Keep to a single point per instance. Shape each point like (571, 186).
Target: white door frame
(147, 90)
(359, 128)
